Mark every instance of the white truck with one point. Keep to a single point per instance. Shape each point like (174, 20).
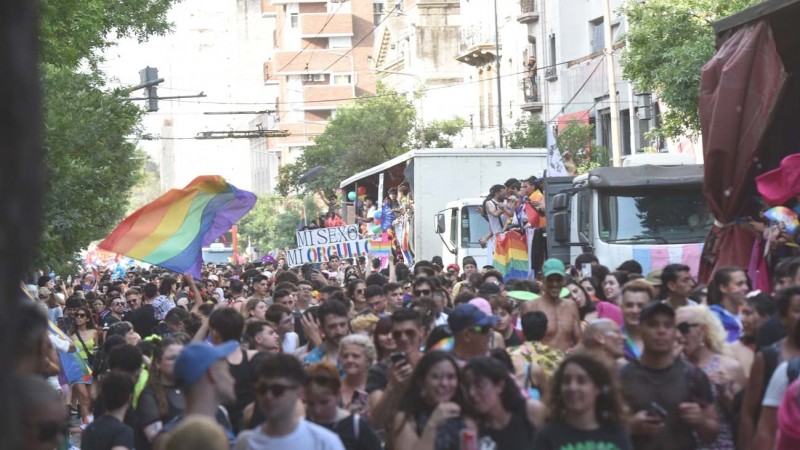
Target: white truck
(451, 177)
(655, 214)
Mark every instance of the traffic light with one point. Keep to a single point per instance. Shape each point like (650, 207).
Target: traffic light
(149, 76)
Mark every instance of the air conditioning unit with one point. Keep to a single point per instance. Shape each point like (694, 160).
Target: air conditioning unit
(550, 73)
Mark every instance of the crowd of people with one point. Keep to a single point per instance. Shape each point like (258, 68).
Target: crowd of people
(341, 356)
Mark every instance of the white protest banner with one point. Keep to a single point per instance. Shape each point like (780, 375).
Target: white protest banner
(327, 236)
(322, 253)
(318, 245)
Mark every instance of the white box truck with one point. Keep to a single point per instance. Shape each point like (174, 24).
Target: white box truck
(438, 177)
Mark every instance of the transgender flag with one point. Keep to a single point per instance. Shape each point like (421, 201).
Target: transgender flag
(656, 257)
(172, 230)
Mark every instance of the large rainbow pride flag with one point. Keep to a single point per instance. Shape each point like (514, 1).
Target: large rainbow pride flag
(511, 255)
(171, 231)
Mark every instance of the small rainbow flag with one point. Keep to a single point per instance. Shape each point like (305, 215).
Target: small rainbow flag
(172, 230)
(511, 255)
(380, 248)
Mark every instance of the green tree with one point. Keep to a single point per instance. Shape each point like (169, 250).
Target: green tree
(576, 141)
(440, 133)
(363, 134)
(273, 221)
(669, 41)
(528, 132)
(92, 164)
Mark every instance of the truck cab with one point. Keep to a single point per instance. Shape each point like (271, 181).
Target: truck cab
(656, 215)
(460, 226)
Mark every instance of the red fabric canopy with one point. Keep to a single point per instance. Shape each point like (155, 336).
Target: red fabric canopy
(740, 89)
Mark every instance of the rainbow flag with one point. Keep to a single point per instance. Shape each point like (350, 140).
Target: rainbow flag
(172, 230)
(511, 255)
(381, 247)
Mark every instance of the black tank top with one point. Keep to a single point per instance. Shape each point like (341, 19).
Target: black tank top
(517, 435)
(245, 394)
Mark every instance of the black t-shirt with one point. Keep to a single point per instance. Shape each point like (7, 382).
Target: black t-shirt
(378, 376)
(680, 382)
(770, 332)
(143, 320)
(360, 437)
(244, 374)
(108, 320)
(148, 412)
(105, 433)
(513, 340)
(561, 436)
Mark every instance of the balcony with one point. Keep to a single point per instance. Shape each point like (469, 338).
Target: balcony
(291, 63)
(325, 25)
(268, 9)
(476, 46)
(530, 92)
(318, 97)
(269, 73)
(528, 11)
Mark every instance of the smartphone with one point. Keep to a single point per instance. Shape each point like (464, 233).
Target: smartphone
(657, 410)
(586, 270)
(397, 357)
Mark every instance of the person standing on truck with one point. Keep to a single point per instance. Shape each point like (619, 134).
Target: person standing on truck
(563, 318)
(495, 210)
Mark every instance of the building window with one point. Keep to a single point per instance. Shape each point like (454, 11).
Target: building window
(342, 79)
(377, 12)
(340, 42)
(597, 35)
(293, 19)
(313, 77)
(550, 73)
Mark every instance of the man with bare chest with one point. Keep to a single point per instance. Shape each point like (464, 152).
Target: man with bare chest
(563, 329)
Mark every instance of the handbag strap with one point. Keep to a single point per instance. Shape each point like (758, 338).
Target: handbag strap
(83, 344)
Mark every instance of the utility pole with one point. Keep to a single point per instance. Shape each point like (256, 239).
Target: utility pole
(616, 141)
(497, 74)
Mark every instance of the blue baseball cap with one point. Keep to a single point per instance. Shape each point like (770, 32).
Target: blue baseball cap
(468, 315)
(197, 357)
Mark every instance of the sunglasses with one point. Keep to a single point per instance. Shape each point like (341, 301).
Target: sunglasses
(409, 334)
(685, 327)
(422, 292)
(81, 315)
(118, 304)
(276, 390)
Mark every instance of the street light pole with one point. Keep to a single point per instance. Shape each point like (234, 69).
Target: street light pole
(497, 74)
(616, 142)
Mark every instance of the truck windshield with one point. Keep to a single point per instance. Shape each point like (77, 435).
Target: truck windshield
(473, 226)
(654, 216)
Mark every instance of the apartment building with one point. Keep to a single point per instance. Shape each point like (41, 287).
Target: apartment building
(320, 62)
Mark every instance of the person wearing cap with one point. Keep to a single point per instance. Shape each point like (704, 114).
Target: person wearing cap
(564, 323)
(677, 283)
(671, 400)
(203, 373)
(471, 329)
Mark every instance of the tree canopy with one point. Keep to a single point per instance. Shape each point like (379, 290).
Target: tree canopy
(273, 221)
(92, 165)
(363, 134)
(669, 41)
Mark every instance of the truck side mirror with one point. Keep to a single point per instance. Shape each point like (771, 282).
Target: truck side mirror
(561, 226)
(560, 202)
(439, 226)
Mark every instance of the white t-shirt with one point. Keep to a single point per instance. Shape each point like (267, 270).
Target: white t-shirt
(307, 435)
(777, 386)
(290, 342)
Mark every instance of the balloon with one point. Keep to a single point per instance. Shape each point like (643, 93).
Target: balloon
(359, 203)
(351, 196)
(376, 229)
(378, 215)
(362, 190)
(376, 221)
(362, 197)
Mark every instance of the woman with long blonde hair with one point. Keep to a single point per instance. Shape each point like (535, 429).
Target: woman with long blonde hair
(703, 341)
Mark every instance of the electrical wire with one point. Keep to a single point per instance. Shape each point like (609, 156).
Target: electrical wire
(311, 40)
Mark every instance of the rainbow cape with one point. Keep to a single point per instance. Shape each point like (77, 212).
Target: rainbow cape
(511, 255)
(172, 230)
